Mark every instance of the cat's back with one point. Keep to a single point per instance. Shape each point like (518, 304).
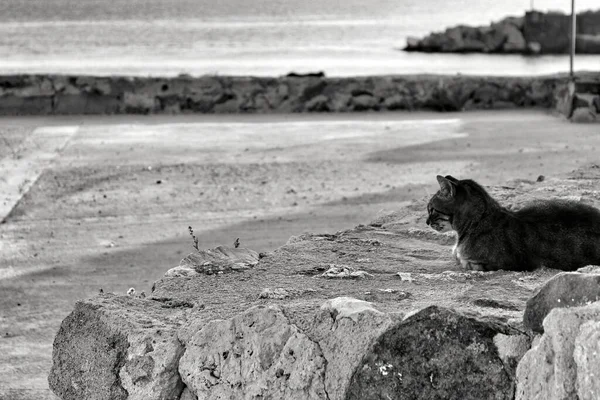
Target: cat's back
(564, 212)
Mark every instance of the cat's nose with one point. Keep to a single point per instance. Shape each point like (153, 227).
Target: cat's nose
(428, 222)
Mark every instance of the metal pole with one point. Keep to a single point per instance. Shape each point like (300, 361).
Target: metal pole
(573, 36)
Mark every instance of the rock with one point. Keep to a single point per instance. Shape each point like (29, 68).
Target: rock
(512, 348)
(412, 42)
(218, 260)
(140, 103)
(583, 114)
(364, 102)
(340, 102)
(567, 289)
(344, 272)
(187, 395)
(258, 354)
(318, 103)
(514, 40)
(494, 38)
(396, 102)
(587, 359)
(587, 44)
(16, 105)
(345, 329)
(126, 349)
(415, 359)
(277, 294)
(590, 269)
(549, 370)
(534, 48)
(583, 100)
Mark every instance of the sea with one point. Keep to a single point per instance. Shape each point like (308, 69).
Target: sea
(257, 37)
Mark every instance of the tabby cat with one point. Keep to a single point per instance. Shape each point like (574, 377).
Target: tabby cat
(551, 233)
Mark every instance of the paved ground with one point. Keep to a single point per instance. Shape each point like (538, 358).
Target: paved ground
(105, 202)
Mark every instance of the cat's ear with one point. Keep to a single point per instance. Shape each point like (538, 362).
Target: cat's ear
(451, 178)
(447, 187)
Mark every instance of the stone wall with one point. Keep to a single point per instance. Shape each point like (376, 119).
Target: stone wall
(60, 95)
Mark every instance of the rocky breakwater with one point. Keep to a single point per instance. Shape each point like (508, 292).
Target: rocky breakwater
(505, 36)
(535, 33)
(376, 312)
(58, 95)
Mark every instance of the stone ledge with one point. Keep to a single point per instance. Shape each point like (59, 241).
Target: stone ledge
(434, 331)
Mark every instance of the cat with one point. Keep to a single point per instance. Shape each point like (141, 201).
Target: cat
(555, 234)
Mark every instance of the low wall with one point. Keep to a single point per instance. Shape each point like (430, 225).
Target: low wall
(60, 95)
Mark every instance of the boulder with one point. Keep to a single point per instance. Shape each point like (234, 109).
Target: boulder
(318, 103)
(364, 102)
(435, 353)
(118, 347)
(412, 42)
(587, 360)
(514, 42)
(567, 289)
(584, 115)
(549, 370)
(140, 103)
(534, 48)
(257, 354)
(587, 44)
(345, 329)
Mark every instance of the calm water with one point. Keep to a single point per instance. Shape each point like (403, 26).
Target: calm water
(258, 37)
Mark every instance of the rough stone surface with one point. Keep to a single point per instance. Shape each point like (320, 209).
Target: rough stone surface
(57, 94)
(126, 349)
(257, 354)
(549, 370)
(418, 359)
(587, 359)
(187, 395)
(221, 259)
(583, 114)
(568, 289)
(332, 323)
(345, 329)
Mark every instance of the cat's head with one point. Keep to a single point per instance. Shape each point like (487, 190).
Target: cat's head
(440, 209)
(457, 202)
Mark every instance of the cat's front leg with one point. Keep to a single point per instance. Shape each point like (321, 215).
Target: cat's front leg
(476, 266)
(470, 265)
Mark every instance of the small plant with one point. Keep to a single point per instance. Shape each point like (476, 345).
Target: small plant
(236, 243)
(194, 238)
